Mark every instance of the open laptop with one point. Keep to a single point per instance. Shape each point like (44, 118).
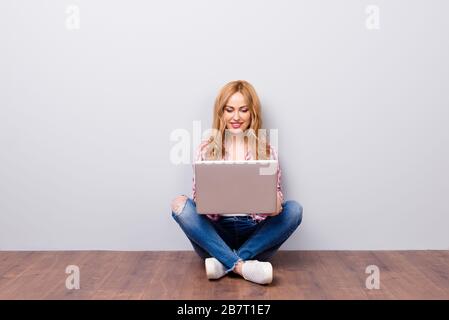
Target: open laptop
(236, 187)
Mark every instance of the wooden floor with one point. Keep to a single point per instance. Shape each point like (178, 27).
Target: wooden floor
(181, 275)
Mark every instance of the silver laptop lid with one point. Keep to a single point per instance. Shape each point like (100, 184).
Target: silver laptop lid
(227, 187)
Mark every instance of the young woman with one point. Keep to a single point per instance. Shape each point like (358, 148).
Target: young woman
(240, 242)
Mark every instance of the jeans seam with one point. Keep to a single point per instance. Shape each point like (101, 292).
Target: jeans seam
(236, 239)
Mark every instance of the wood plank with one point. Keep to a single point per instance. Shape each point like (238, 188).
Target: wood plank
(94, 267)
(403, 280)
(181, 275)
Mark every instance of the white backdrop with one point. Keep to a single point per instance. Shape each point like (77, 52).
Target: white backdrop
(91, 90)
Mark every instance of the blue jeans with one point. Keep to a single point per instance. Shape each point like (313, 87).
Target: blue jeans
(234, 238)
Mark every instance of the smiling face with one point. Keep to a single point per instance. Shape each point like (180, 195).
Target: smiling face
(236, 114)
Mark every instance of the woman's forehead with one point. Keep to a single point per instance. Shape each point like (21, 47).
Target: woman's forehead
(237, 99)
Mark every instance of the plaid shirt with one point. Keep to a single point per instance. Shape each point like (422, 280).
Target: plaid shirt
(201, 156)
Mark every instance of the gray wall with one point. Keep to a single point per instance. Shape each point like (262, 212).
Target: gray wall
(86, 115)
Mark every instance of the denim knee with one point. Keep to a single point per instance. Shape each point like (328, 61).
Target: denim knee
(293, 213)
(189, 208)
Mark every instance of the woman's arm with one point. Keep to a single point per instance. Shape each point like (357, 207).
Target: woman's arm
(200, 155)
(280, 195)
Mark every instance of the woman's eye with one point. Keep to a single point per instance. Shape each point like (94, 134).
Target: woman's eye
(244, 110)
(228, 110)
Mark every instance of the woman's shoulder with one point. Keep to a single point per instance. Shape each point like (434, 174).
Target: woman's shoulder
(201, 150)
(203, 145)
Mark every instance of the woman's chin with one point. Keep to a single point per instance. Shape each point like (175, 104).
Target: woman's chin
(235, 131)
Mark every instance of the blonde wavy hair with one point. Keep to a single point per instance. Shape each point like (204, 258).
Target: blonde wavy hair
(257, 139)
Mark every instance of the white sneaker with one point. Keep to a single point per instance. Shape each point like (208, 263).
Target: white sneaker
(214, 268)
(257, 271)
